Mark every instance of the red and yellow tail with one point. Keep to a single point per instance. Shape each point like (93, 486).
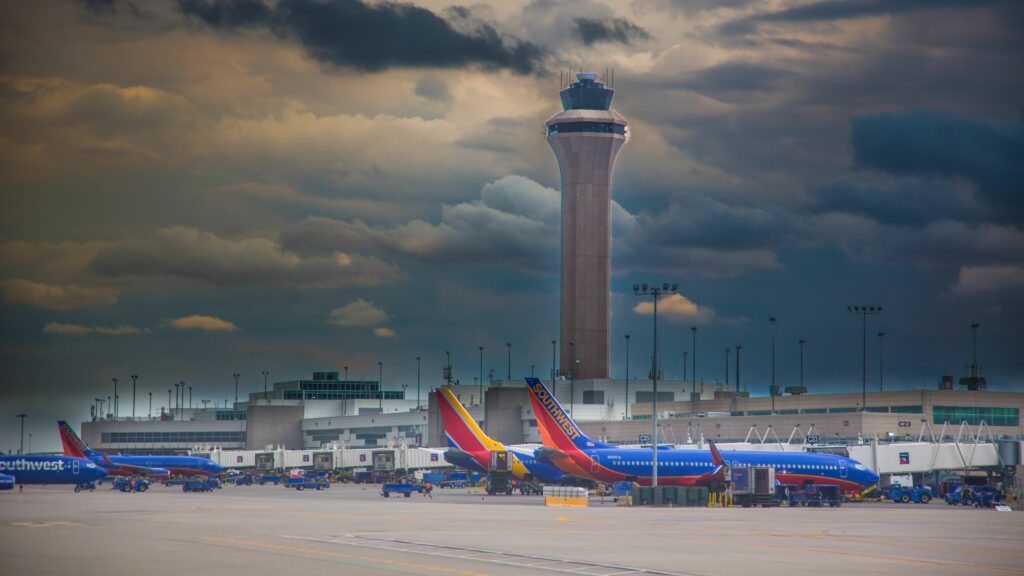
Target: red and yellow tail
(73, 445)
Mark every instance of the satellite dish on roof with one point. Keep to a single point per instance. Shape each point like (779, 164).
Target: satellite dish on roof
(586, 76)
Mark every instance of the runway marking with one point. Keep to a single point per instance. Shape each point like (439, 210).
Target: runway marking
(490, 556)
(232, 507)
(856, 554)
(571, 520)
(45, 524)
(347, 556)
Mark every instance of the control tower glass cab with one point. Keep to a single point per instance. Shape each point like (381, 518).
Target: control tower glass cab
(585, 137)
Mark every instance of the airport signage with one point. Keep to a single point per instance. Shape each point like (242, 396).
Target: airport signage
(645, 438)
(813, 439)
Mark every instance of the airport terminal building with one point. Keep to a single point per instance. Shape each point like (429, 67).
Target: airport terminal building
(311, 414)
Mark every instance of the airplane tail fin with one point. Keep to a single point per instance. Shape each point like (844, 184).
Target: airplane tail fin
(73, 445)
(718, 476)
(557, 429)
(460, 428)
(716, 455)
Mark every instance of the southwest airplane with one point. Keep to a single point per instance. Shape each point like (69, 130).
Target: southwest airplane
(47, 470)
(130, 465)
(566, 447)
(470, 448)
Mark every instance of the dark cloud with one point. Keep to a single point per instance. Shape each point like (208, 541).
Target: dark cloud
(900, 201)
(372, 37)
(108, 7)
(596, 30)
(940, 144)
(725, 81)
(192, 254)
(694, 6)
(700, 221)
(830, 10)
(433, 88)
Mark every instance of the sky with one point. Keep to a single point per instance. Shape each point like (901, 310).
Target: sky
(196, 188)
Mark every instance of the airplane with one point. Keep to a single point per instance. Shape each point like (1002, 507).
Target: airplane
(130, 465)
(571, 451)
(48, 470)
(470, 448)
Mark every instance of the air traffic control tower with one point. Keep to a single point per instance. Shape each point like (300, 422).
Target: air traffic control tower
(586, 137)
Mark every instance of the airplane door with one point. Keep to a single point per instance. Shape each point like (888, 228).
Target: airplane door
(595, 465)
(842, 468)
(74, 467)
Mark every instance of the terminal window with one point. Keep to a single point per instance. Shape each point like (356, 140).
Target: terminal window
(172, 437)
(975, 415)
(593, 396)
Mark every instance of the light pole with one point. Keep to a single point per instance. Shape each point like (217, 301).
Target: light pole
(693, 393)
(509, 346)
(135, 378)
(265, 395)
(189, 397)
(772, 391)
(974, 349)
(533, 368)
(801, 342)
(693, 331)
(727, 351)
(236, 376)
(417, 382)
(448, 367)
(169, 401)
(346, 372)
(481, 393)
(654, 292)
(864, 312)
(572, 357)
(21, 449)
(554, 370)
(686, 363)
(29, 442)
(627, 376)
(380, 385)
(174, 415)
(738, 348)
(572, 385)
(115, 397)
(99, 405)
(881, 361)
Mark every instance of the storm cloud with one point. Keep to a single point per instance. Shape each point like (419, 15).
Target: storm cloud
(596, 30)
(372, 37)
(934, 143)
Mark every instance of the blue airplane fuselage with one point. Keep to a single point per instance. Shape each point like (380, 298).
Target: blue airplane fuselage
(684, 466)
(185, 465)
(50, 469)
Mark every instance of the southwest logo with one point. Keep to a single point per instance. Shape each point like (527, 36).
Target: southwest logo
(30, 465)
(559, 416)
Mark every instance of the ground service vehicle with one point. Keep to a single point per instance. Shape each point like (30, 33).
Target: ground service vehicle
(199, 485)
(129, 484)
(916, 494)
(400, 488)
(301, 483)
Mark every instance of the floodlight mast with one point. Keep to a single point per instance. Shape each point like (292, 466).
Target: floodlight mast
(864, 312)
(654, 292)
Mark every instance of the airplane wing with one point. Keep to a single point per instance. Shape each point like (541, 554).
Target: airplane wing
(108, 465)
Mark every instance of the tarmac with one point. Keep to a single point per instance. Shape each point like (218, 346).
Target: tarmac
(352, 530)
